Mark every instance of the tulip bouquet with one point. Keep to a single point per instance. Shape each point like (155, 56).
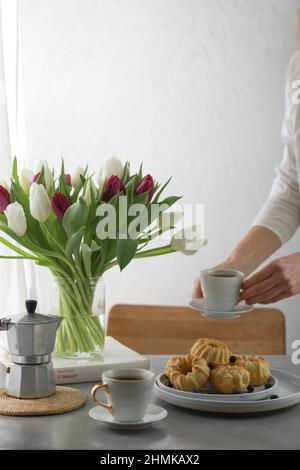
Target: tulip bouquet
(75, 226)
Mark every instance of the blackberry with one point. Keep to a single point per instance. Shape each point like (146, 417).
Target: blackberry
(232, 359)
(268, 385)
(211, 365)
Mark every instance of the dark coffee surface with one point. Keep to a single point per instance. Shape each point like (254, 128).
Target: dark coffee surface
(128, 378)
(222, 275)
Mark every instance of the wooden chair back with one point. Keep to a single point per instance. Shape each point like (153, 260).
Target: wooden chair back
(157, 329)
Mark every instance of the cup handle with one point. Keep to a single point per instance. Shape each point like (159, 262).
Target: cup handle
(105, 388)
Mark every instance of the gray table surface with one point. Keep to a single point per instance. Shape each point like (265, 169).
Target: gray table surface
(182, 429)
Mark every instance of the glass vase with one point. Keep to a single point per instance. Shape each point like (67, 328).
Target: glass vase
(81, 303)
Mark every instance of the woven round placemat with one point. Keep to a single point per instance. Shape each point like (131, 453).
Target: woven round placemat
(65, 399)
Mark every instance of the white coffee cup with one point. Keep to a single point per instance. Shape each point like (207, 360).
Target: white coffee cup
(221, 288)
(128, 392)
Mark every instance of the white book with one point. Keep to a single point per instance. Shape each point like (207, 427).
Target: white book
(114, 356)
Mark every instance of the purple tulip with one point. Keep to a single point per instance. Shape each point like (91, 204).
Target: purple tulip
(68, 179)
(113, 186)
(60, 203)
(4, 199)
(145, 186)
(35, 177)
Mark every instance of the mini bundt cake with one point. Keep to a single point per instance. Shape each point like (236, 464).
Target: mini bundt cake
(258, 368)
(187, 373)
(230, 379)
(175, 363)
(212, 350)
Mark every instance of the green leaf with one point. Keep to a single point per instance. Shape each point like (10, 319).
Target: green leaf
(126, 249)
(57, 229)
(126, 173)
(41, 177)
(112, 249)
(16, 257)
(163, 250)
(78, 186)
(73, 244)
(86, 253)
(161, 190)
(63, 187)
(91, 220)
(76, 217)
(141, 198)
(10, 245)
(130, 189)
(14, 174)
(169, 201)
(140, 173)
(95, 247)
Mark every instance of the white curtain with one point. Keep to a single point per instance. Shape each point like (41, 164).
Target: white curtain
(12, 274)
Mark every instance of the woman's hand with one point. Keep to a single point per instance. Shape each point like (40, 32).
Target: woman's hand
(277, 281)
(197, 293)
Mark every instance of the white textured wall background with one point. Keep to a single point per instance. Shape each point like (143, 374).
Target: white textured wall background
(194, 88)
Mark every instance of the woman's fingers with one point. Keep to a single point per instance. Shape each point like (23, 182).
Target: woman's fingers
(258, 277)
(261, 287)
(268, 296)
(283, 295)
(197, 293)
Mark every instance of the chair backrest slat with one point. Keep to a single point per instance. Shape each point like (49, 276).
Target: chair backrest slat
(158, 329)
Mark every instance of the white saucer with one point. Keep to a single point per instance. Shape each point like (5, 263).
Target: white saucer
(240, 309)
(153, 415)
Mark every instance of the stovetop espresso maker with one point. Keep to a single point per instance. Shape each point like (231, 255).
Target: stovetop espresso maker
(31, 339)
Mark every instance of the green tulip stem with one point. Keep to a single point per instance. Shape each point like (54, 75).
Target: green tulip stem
(80, 330)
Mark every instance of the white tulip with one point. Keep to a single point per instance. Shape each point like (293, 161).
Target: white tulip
(4, 184)
(16, 219)
(112, 166)
(75, 177)
(90, 188)
(25, 179)
(48, 174)
(188, 240)
(39, 202)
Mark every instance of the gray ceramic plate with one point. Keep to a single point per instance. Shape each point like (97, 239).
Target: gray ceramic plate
(259, 392)
(288, 391)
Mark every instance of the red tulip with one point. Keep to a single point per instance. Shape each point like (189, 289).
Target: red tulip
(60, 203)
(68, 179)
(4, 199)
(146, 185)
(113, 186)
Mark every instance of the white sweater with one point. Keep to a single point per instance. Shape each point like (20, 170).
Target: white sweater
(281, 211)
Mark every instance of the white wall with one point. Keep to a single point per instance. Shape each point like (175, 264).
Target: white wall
(194, 88)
